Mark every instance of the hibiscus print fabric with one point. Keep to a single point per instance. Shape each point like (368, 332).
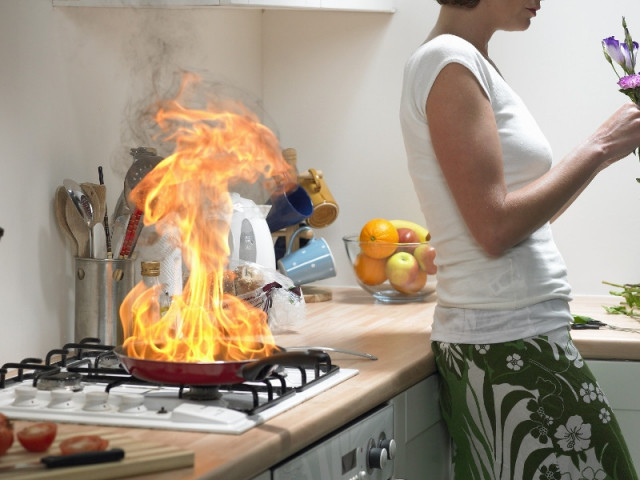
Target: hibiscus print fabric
(528, 410)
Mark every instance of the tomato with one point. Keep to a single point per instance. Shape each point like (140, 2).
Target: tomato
(37, 437)
(83, 443)
(6, 434)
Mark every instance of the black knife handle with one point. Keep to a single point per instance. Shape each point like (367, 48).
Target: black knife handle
(83, 458)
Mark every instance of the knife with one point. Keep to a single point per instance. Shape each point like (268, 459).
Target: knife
(72, 460)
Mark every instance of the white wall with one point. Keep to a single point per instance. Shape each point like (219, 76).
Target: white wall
(73, 80)
(333, 81)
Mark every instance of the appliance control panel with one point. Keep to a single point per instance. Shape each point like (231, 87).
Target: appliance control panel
(365, 449)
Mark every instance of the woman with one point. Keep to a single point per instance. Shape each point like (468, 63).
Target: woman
(518, 399)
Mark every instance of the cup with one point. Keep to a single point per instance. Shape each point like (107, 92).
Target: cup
(310, 263)
(101, 286)
(325, 208)
(289, 208)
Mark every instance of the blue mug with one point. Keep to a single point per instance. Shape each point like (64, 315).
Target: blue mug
(289, 209)
(310, 263)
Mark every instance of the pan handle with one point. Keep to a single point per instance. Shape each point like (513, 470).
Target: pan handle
(261, 369)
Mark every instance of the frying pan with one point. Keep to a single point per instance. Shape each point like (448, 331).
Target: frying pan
(217, 373)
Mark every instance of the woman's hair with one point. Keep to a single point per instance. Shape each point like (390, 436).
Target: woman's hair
(462, 3)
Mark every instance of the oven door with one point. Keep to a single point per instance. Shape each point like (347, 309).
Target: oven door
(364, 449)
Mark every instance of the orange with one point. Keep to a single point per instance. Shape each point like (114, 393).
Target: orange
(370, 271)
(380, 236)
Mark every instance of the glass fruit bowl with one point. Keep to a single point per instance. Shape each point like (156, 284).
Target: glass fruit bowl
(392, 272)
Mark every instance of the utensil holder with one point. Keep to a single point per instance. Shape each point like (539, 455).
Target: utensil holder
(101, 286)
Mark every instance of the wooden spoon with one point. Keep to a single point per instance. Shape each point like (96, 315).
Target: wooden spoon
(60, 200)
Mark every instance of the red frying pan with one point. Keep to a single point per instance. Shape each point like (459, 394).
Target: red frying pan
(216, 373)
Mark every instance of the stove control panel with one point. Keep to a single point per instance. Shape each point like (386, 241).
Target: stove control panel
(365, 449)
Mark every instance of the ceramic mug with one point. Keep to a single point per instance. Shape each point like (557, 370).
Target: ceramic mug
(289, 209)
(310, 263)
(325, 208)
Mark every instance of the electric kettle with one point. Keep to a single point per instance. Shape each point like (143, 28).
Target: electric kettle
(249, 235)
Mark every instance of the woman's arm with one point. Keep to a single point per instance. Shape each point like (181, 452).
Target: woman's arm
(465, 140)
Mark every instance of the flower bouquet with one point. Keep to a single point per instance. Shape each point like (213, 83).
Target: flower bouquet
(624, 54)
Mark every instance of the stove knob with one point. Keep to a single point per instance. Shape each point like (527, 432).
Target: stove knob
(61, 399)
(96, 401)
(390, 445)
(376, 457)
(25, 396)
(132, 403)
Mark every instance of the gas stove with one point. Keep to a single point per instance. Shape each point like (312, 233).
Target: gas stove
(84, 383)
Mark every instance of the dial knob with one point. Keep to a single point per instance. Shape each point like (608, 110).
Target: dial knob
(377, 458)
(390, 445)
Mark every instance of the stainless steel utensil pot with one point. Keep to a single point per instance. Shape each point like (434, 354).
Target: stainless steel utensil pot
(101, 286)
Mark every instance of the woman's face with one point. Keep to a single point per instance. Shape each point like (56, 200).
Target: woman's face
(513, 15)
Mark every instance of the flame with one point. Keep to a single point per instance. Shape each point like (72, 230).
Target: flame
(189, 190)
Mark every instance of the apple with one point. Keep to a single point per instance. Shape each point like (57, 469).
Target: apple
(415, 286)
(407, 235)
(425, 255)
(401, 269)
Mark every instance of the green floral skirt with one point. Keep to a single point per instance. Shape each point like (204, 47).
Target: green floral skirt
(528, 410)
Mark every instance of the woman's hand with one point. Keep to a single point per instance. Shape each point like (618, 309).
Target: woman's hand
(618, 136)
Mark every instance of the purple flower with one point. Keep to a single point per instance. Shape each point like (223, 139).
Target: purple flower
(619, 53)
(629, 82)
(612, 48)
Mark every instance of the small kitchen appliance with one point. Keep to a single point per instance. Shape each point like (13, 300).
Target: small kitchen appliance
(249, 237)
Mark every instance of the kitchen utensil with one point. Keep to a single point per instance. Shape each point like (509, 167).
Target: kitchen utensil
(289, 208)
(60, 201)
(72, 460)
(325, 208)
(145, 160)
(105, 221)
(78, 228)
(335, 350)
(249, 235)
(83, 205)
(97, 197)
(101, 285)
(310, 263)
(216, 373)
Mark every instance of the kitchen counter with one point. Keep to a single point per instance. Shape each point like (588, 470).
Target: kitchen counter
(398, 335)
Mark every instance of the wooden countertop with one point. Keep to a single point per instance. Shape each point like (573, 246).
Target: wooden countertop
(398, 335)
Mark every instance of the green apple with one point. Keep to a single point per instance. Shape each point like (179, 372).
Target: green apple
(425, 255)
(401, 269)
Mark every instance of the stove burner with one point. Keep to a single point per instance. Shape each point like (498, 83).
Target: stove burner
(60, 380)
(202, 393)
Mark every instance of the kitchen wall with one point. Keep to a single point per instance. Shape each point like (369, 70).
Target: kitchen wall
(75, 80)
(333, 81)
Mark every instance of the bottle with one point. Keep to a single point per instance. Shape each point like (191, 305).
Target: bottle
(151, 277)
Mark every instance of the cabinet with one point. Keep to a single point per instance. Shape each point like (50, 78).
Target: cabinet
(616, 378)
(422, 441)
(382, 6)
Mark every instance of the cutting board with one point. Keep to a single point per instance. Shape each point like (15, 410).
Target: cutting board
(141, 457)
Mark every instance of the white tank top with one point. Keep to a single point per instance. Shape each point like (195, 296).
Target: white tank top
(482, 298)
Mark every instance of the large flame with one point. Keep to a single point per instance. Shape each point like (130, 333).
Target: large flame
(189, 190)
